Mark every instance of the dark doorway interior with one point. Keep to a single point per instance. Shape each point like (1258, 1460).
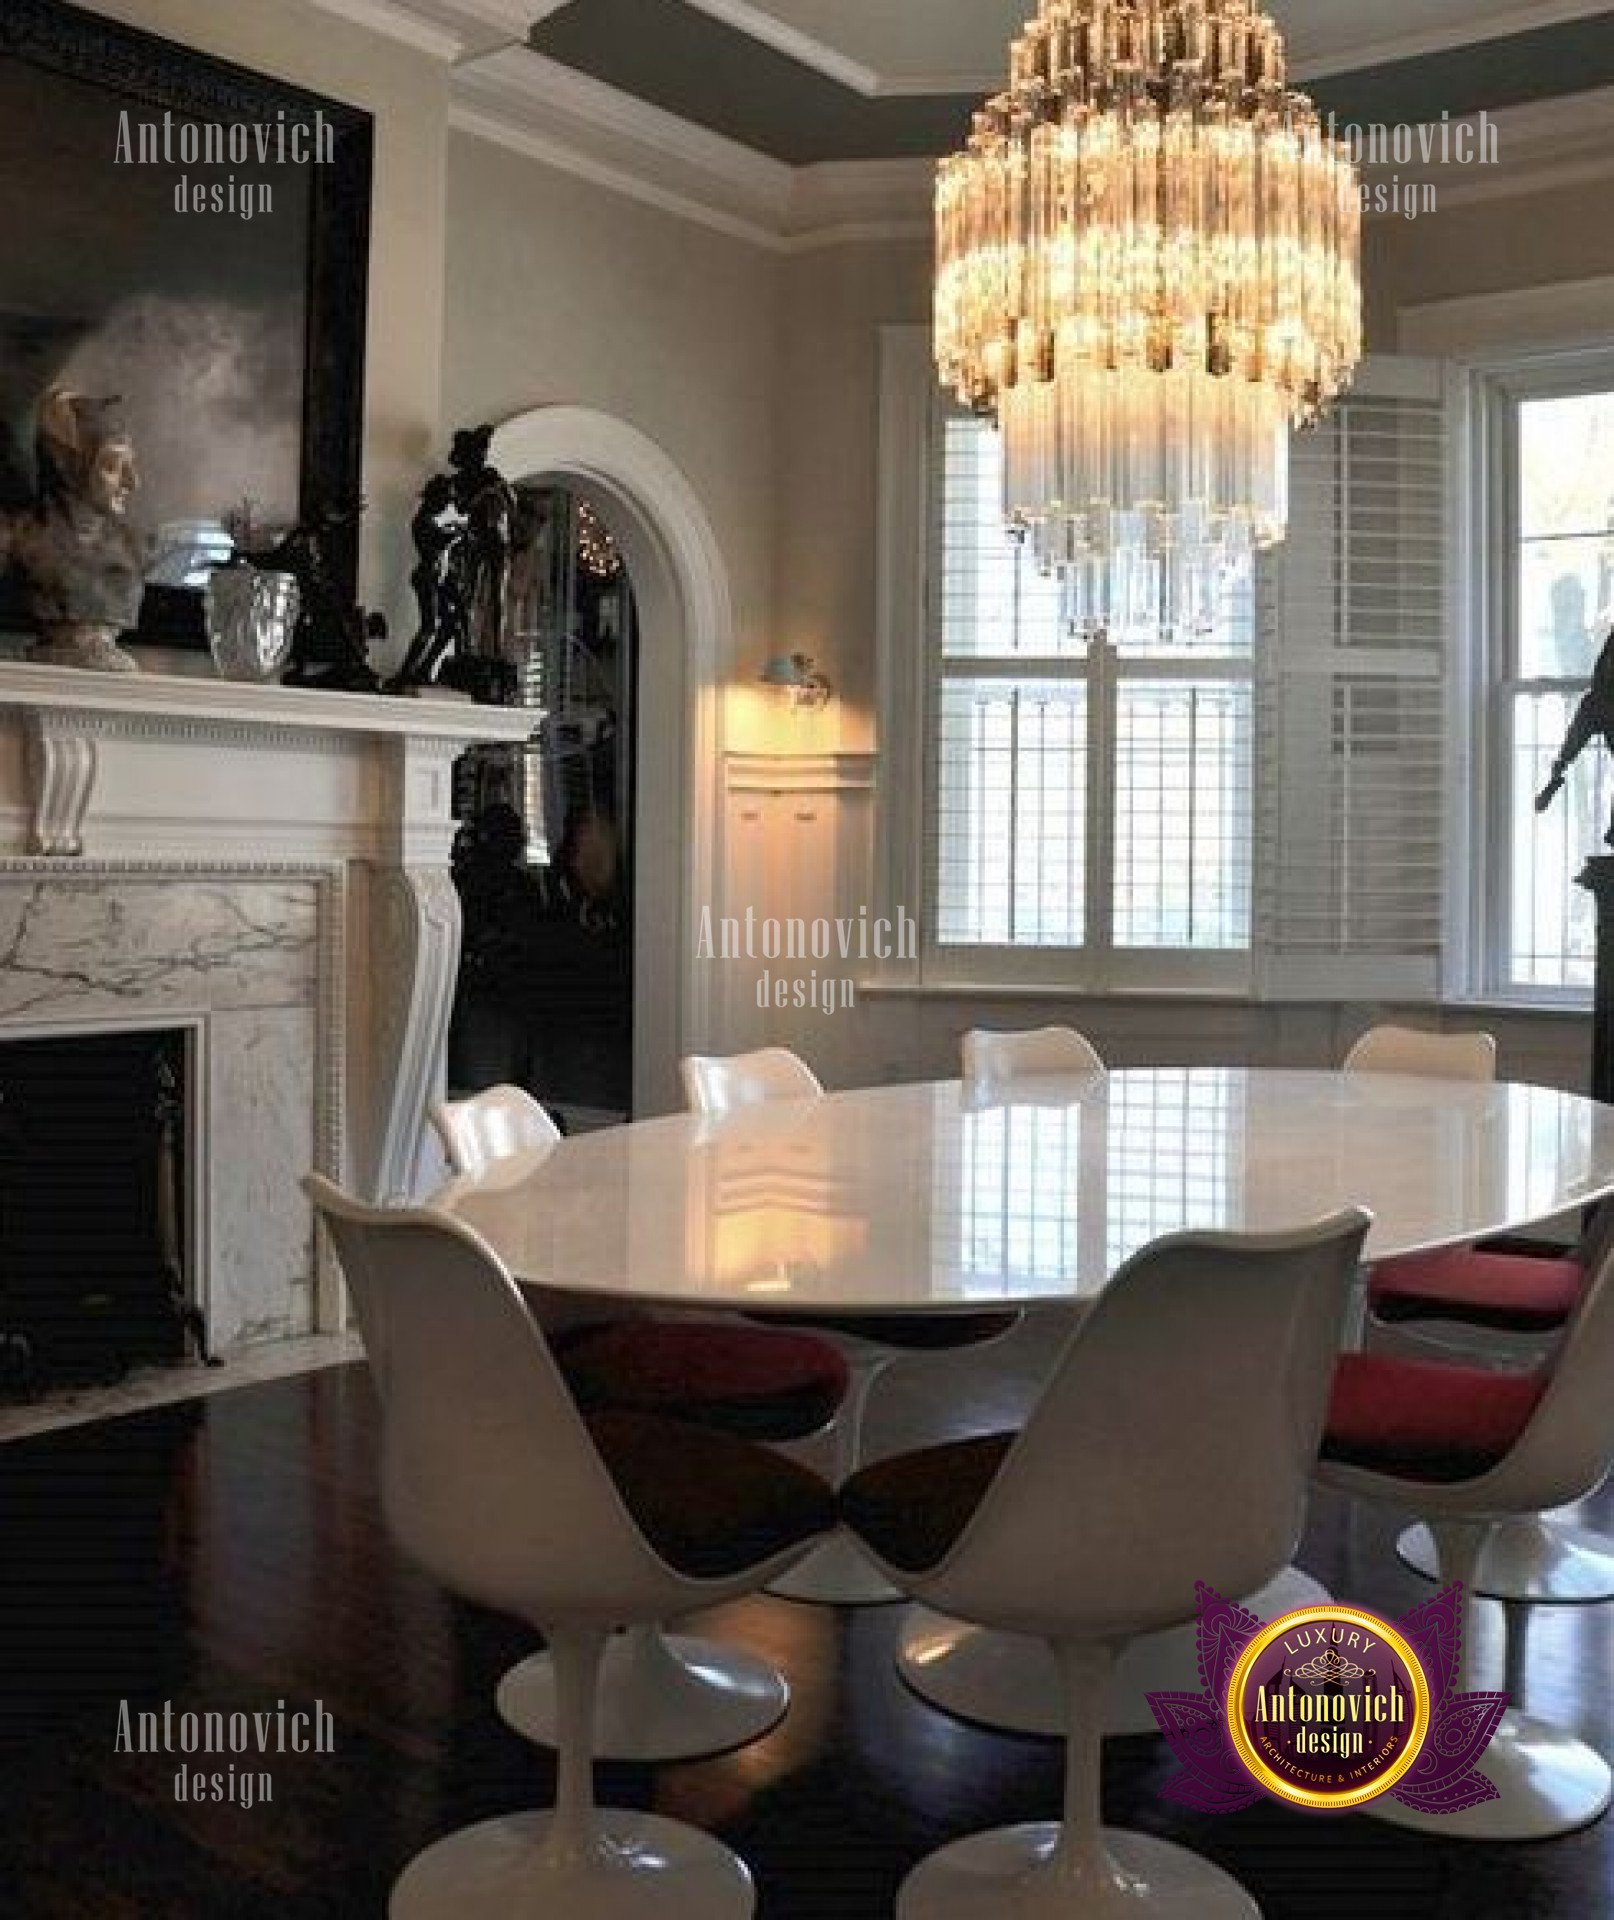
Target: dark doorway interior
(544, 861)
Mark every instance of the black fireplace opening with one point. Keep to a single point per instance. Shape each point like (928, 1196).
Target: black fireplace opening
(94, 1208)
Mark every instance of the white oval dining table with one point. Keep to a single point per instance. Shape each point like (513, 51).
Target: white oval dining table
(936, 1198)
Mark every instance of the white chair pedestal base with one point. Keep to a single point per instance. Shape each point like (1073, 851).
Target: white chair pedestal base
(1550, 1782)
(1539, 1558)
(641, 1868)
(836, 1573)
(1004, 1681)
(661, 1697)
(1008, 1875)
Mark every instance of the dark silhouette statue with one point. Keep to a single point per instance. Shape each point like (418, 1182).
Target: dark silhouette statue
(436, 528)
(1594, 720)
(331, 646)
(488, 502)
(463, 532)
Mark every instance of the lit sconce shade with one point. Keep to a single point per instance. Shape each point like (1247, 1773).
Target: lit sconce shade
(797, 676)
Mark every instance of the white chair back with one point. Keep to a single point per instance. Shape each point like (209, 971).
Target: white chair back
(1434, 1056)
(1175, 1443)
(489, 1477)
(492, 1126)
(992, 1059)
(1567, 1450)
(717, 1086)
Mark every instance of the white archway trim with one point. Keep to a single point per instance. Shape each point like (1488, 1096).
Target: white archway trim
(686, 621)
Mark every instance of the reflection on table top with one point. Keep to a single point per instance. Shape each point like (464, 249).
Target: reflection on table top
(928, 1198)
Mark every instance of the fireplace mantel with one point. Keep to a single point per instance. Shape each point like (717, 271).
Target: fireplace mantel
(147, 820)
(132, 699)
(72, 731)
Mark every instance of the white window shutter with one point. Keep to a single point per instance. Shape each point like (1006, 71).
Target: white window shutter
(1352, 701)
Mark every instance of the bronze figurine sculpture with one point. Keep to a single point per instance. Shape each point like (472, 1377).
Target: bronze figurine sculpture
(330, 649)
(1594, 720)
(463, 532)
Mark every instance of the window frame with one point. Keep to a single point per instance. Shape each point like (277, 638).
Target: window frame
(1274, 970)
(1491, 482)
(912, 675)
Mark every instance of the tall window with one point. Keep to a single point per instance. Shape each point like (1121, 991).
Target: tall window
(1553, 525)
(1086, 795)
(1257, 809)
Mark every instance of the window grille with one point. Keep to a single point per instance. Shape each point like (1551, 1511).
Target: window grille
(1086, 793)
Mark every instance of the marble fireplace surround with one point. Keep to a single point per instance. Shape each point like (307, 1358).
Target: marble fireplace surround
(266, 869)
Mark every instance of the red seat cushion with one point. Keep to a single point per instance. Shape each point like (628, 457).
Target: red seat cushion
(749, 1381)
(913, 1507)
(1421, 1421)
(1513, 1292)
(710, 1505)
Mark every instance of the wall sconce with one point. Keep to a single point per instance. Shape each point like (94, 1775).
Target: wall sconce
(797, 675)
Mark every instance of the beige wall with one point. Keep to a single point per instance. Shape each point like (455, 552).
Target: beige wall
(407, 91)
(560, 291)
(838, 298)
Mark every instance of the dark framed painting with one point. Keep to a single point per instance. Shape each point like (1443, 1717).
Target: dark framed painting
(194, 238)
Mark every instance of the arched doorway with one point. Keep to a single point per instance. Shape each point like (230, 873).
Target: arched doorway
(685, 641)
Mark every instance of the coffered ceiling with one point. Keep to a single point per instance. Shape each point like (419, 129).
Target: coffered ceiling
(957, 46)
(804, 81)
(720, 111)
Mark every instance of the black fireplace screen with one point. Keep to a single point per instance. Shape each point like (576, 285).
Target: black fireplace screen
(93, 1205)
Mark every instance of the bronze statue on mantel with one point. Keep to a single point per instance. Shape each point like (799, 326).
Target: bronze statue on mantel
(331, 642)
(76, 551)
(463, 530)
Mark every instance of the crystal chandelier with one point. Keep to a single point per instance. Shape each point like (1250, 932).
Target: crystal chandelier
(1148, 271)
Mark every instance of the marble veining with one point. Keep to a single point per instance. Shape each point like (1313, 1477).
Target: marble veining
(98, 946)
(236, 958)
(260, 1120)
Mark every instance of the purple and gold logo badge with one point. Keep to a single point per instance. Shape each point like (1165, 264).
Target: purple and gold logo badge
(1328, 1708)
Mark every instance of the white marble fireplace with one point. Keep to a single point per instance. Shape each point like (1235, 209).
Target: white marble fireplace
(265, 869)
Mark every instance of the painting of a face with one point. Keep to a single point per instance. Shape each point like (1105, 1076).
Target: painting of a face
(114, 477)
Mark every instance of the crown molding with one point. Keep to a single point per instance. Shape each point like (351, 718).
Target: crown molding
(1368, 54)
(760, 25)
(927, 86)
(550, 112)
(854, 202)
(873, 84)
(447, 30)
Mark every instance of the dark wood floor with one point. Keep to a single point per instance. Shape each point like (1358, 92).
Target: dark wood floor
(230, 1555)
